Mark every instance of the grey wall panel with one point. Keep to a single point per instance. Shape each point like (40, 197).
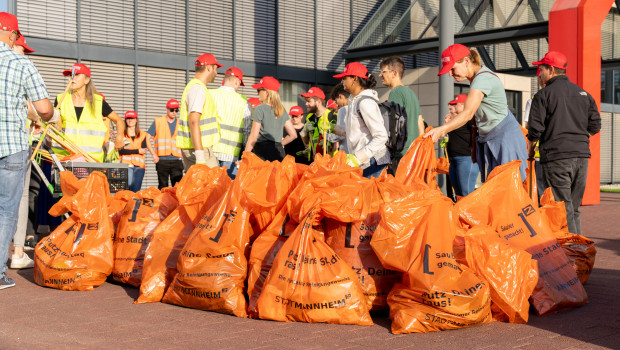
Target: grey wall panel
(51, 19)
(333, 33)
(161, 25)
(296, 24)
(107, 22)
(255, 31)
(212, 33)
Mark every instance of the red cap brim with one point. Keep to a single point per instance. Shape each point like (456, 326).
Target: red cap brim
(537, 63)
(258, 86)
(307, 94)
(446, 67)
(67, 73)
(27, 49)
(340, 76)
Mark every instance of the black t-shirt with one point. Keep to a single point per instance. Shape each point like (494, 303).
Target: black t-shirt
(460, 139)
(105, 109)
(296, 146)
(126, 151)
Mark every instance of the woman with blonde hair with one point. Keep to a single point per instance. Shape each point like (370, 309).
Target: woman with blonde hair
(269, 121)
(82, 111)
(499, 138)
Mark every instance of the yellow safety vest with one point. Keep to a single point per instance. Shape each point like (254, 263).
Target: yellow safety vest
(209, 120)
(165, 144)
(89, 132)
(327, 121)
(230, 107)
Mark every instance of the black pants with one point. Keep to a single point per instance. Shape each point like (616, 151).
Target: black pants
(567, 179)
(269, 150)
(172, 169)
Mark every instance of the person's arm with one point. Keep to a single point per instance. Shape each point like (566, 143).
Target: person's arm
(247, 123)
(474, 98)
(149, 146)
(371, 115)
(290, 130)
(421, 124)
(32, 114)
(125, 151)
(36, 92)
(44, 108)
(194, 129)
(594, 118)
(253, 136)
(119, 143)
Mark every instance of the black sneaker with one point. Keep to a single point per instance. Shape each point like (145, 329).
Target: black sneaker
(6, 282)
(30, 243)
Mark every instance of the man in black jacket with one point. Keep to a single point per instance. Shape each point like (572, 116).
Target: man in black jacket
(563, 117)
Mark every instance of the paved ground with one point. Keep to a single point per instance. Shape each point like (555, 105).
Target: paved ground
(40, 318)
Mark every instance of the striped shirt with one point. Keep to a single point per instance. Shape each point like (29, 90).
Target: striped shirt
(19, 80)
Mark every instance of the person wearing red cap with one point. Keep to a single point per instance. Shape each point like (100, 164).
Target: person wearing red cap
(254, 102)
(331, 104)
(392, 71)
(166, 155)
(297, 146)
(499, 139)
(563, 117)
(269, 120)
(134, 151)
(236, 120)
(366, 135)
(313, 133)
(82, 110)
(22, 82)
(199, 124)
(463, 172)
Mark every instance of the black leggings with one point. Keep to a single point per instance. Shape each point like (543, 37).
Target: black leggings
(269, 150)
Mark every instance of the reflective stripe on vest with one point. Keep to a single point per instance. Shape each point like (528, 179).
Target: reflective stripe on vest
(209, 121)
(231, 108)
(165, 144)
(89, 132)
(135, 159)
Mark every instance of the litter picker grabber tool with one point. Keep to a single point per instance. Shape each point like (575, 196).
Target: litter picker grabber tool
(49, 186)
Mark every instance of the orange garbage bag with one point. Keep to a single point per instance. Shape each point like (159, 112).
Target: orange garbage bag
(554, 213)
(530, 184)
(117, 205)
(310, 283)
(415, 236)
(78, 254)
(443, 165)
(144, 212)
(199, 189)
(503, 204)
(418, 165)
(213, 263)
(511, 273)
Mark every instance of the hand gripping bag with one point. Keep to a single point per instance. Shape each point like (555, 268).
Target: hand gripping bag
(418, 165)
(144, 212)
(213, 263)
(503, 204)
(511, 273)
(198, 190)
(78, 254)
(415, 236)
(310, 283)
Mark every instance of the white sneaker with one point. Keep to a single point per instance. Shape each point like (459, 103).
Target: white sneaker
(21, 263)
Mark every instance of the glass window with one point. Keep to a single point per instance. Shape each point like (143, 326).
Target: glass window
(616, 87)
(513, 98)
(604, 98)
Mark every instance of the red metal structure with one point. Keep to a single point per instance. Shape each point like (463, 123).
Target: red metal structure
(575, 30)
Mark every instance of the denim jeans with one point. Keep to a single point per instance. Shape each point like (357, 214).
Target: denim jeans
(12, 178)
(463, 175)
(373, 169)
(136, 174)
(567, 179)
(231, 168)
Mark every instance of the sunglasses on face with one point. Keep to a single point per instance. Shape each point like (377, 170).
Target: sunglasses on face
(173, 110)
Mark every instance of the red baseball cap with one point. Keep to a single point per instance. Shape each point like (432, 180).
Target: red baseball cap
(8, 22)
(458, 99)
(235, 72)
(131, 115)
(22, 42)
(331, 104)
(554, 59)
(254, 101)
(172, 103)
(355, 69)
(314, 92)
(451, 55)
(296, 111)
(207, 58)
(269, 83)
(79, 69)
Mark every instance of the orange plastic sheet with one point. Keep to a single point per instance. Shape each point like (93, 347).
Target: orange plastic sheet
(418, 165)
(530, 184)
(144, 212)
(443, 165)
(554, 213)
(78, 254)
(511, 273)
(200, 188)
(415, 236)
(117, 205)
(213, 263)
(309, 282)
(503, 204)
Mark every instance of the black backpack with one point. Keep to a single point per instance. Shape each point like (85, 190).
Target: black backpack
(395, 121)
